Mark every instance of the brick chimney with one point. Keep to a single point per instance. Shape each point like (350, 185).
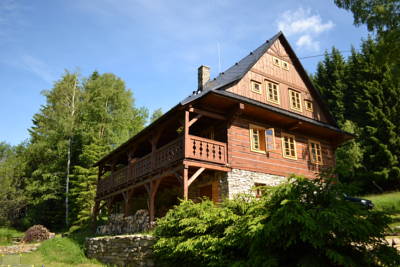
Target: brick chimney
(203, 76)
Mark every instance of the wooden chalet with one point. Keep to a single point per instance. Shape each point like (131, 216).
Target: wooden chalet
(255, 124)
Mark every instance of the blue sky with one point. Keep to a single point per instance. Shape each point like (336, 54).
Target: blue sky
(154, 45)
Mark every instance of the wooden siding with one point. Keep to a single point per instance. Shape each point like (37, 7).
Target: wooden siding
(240, 155)
(265, 70)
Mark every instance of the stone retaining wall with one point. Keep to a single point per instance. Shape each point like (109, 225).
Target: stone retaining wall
(118, 224)
(122, 250)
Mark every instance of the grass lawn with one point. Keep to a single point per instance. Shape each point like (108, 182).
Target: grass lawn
(59, 252)
(389, 203)
(7, 234)
(56, 252)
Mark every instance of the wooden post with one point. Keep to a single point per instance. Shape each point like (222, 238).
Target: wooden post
(152, 188)
(186, 137)
(109, 205)
(95, 213)
(186, 182)
(127, 201)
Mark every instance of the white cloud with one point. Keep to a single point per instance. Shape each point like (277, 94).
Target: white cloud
(305, 26)
(37, 67)
(308, 42)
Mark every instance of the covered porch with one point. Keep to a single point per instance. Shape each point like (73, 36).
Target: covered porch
(181, 160)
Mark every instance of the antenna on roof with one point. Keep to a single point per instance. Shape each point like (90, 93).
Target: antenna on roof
(219, 58)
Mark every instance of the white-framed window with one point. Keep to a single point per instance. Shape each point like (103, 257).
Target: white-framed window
(309, 105)
(289, 146)
(257, 138)
(256, 87)
(261, 139)
(272, 92)
(285, 65)
(295, 100)
(315, 151)
(276, 61)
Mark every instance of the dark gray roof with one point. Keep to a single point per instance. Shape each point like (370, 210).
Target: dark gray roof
(234, 73)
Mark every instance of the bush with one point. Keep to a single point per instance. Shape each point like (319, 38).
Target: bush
(36, 233)
(299, 223)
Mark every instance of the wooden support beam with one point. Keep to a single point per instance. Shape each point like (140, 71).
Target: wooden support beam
(109, 204)
(195, 175)
(195, 119)
(127, 195)
(185, 183)
(206, 165)
(208, 113)
(236, 111)
(152, 188)
(295, 125)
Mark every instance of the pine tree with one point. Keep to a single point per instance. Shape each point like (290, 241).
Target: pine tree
(330, 81)
(373, 105)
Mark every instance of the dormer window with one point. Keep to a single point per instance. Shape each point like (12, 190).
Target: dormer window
(256, 87)
(295, 100)
(273, 92)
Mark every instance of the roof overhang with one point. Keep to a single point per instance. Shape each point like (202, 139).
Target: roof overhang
(277, 116)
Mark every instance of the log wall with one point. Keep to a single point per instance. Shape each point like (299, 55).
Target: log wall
(240, 155)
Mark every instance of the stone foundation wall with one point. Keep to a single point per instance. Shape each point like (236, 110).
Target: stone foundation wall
(241, 181)
(122, 250)
(119, 224)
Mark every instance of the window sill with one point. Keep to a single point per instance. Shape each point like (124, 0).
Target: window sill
(258, 151)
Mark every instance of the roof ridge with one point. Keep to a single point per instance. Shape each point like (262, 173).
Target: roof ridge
(234, 72)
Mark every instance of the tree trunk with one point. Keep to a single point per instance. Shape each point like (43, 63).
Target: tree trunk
(69, 155)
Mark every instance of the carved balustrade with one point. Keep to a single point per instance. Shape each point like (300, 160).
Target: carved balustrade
(198, 148)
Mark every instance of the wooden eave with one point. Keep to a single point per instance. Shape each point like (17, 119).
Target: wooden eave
(224, 100)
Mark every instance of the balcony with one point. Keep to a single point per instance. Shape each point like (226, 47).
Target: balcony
(197, 148)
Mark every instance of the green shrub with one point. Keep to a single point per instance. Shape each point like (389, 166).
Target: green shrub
(299, 223)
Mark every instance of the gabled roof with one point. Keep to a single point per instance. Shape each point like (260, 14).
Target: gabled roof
(234, 74)
(237, 72)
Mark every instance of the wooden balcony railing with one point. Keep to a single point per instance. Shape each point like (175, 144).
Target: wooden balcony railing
(169, 153)
(198, 148)
(206, 150)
